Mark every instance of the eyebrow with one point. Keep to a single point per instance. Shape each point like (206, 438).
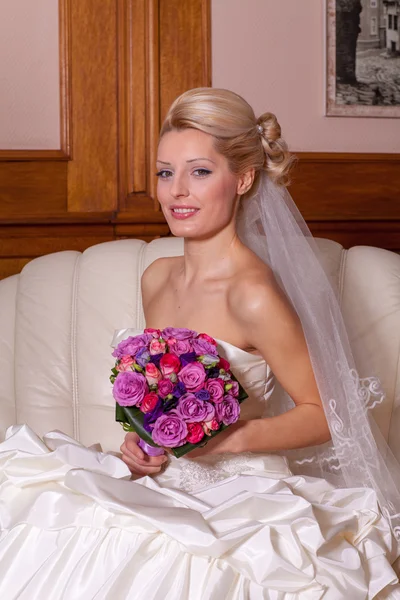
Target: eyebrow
(188, 161)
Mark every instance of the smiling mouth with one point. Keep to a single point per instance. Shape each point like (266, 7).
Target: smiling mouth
(184, 210)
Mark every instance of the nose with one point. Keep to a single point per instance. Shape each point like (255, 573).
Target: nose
(179, 187)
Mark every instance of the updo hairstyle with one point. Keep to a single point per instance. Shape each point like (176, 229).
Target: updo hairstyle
(246, 142)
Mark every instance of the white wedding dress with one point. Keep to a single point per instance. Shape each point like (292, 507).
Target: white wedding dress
(75, 527)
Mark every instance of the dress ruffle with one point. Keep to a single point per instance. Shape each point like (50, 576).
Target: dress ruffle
(75, 527)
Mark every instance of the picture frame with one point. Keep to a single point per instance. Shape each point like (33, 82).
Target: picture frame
(362, 52)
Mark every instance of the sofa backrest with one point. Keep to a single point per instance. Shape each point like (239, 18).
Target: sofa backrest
(58, 316)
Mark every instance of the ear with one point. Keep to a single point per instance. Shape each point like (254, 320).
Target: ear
(245, 182)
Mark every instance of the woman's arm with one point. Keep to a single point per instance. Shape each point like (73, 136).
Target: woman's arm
(274, 329)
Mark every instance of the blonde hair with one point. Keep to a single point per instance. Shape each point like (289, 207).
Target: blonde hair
(246, 142)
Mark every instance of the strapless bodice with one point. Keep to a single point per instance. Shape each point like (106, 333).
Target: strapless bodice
(250, 369)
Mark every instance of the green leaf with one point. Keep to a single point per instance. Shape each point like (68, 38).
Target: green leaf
(134, 417)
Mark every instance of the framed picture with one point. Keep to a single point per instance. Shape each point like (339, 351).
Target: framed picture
(362, 58)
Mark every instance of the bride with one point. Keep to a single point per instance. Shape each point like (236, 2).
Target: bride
(299, 499)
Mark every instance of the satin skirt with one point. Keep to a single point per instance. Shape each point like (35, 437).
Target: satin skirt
(75, 527)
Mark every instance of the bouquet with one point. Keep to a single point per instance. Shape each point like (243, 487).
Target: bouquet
(174, 389)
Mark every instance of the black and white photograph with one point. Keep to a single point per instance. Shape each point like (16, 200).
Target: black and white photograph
(363, 58)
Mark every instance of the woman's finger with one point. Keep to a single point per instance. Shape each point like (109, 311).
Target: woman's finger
(140, 469)
(142, 458)
(133, 451)
(131, 443)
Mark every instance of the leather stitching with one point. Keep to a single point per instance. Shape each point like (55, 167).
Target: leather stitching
(342, 269)
(140, 322)
(14, 350)
(74, 364)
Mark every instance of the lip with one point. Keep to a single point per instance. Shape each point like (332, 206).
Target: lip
(182, 206)
(183, 216)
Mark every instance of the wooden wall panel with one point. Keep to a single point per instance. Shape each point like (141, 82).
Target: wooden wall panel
(122, 62)
(173, 56)
(92, 174)
(181, 35)
(30, 188)
(351, 198)
(101, 185)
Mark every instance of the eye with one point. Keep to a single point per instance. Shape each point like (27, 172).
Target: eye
(164, 174)
(201, 172)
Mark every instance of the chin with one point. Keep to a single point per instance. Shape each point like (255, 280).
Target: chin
(187, 230)
(193, 230)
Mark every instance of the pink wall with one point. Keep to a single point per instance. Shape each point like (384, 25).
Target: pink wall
(29, 75)
(272, 53)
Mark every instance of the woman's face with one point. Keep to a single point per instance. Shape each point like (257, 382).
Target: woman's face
(196, 188)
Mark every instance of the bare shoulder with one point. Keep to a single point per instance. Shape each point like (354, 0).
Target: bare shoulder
(257, 300)
(157, 273)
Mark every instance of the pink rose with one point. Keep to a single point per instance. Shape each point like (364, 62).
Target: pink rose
(157, 347)
(125, 363)
(216, 387)
(149, 402)
(195, 433)
(180, 346)
(165, 387)
(153, 375)
(204, 336)
(210, 426)
(192, 376)
(169, 365)
(156, 333)
(223, 364)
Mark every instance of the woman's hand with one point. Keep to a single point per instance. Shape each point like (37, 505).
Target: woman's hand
(139, 462)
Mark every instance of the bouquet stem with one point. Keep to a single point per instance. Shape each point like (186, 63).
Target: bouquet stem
(150, 450)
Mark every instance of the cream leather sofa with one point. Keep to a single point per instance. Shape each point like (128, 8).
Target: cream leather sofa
(57, 318)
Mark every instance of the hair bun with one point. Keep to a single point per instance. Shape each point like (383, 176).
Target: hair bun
(278, 159)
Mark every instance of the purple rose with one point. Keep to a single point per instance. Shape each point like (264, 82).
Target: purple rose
(192, 376)
(216, 389)
(228, 410)
(132, 345)
(202, 395)
(194, 410)
(170, 431)
(130, 388)
(201, 346)
(180, 347)
(180, 333)
(165, 387)
(143, 357)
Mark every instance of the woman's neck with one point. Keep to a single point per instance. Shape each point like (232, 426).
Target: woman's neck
(210, 258)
